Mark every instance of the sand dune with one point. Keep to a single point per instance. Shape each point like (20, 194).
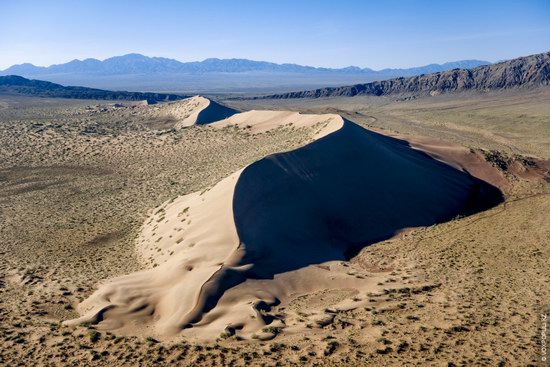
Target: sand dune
(212, 112)
(191, 111)
(262, 121)
(219, 259)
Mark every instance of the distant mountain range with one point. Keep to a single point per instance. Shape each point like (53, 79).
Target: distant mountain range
(138, 72)
(16, 85)
(140, 64)
(529, 71)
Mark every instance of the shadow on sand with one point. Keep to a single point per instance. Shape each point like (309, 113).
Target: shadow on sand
(329, 199)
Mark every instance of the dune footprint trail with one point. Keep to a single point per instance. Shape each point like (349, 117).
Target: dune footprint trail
(219, 259)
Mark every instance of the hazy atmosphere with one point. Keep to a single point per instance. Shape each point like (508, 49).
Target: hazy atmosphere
(387, 34)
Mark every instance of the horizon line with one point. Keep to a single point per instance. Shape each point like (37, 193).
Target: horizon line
(240, 58)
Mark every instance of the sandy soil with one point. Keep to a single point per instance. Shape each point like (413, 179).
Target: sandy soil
(78, 179)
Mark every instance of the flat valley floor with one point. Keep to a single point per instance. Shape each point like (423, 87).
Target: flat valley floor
(78, 178)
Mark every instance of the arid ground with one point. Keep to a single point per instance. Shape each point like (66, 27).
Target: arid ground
(79, 178)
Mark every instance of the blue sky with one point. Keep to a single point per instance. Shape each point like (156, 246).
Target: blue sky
(320, 33)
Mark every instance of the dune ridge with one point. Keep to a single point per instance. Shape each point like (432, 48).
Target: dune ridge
(262, 121)
(196, 110)
(218, 260)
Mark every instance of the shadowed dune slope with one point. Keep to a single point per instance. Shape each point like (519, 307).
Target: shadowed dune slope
(332, 197)
(197, 111)
(217, 256)
(214, 112)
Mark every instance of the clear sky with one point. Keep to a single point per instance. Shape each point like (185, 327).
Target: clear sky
(334, 33)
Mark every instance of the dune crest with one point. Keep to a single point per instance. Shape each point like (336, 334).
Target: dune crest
(219, 259)
(196, 110)
(262, 121)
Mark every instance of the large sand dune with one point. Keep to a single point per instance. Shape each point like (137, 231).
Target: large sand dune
(191, 111)
(219, 259)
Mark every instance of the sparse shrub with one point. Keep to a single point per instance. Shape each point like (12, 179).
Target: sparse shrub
(402, 346)
(225, 335)
(94, 335)
(271, 329)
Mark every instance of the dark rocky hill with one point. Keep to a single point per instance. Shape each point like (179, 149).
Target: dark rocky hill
(13, 84)
(529, 71)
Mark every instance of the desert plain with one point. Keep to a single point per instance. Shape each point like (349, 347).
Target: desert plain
(95, 196)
